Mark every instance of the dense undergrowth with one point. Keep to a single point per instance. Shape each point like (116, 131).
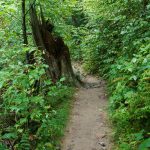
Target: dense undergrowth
(117, 47)
(33, 109)
(31, 118)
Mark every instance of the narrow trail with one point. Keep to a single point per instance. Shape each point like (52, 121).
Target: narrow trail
(88, 128)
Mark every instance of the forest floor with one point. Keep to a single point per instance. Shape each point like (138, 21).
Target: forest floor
(88, 127)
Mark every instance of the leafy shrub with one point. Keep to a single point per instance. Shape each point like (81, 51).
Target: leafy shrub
(32, 110)
(117, 46)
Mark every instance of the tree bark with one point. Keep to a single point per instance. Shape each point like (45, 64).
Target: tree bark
(55, 52)
(25, 40)
(24, 29)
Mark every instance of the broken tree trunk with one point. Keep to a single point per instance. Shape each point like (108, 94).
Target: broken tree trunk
(55, 52)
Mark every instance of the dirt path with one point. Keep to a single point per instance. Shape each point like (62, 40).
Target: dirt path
(88, 128)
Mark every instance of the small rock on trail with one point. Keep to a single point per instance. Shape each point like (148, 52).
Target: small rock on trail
(88, 128)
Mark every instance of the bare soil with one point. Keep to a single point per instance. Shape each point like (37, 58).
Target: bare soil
(88, 128)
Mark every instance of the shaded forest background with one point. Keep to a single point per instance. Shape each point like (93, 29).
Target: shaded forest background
(110, 39)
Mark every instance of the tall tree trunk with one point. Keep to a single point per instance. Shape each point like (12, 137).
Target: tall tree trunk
(29, 56)
(24, 29)
(25, 40)
(55, 52)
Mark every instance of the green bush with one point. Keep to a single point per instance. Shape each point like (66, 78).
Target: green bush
(117, 46)
(31, 116)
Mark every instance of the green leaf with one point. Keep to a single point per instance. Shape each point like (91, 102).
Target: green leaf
(9, 136)
(145, 145)
(1, 84)
(62, 79)
(134, 60)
